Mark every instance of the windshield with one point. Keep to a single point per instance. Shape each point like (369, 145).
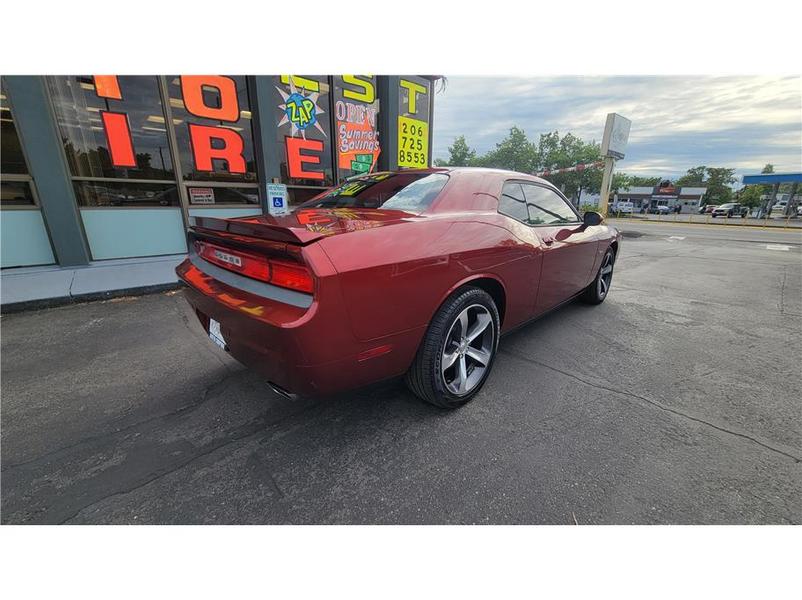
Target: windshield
(410, 192)
(726, 206)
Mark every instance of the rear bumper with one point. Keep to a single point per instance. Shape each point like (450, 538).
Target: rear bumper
(305, 350)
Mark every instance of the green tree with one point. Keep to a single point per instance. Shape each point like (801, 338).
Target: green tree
(515, 152)
(718, 180)
(693, 177)
(750, 196)
(460, 155)
(719, 184)
(556, 152)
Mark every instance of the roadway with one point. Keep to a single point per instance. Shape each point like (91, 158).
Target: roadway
(702, 233)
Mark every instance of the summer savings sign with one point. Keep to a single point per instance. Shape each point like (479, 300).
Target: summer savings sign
(304, 106)
(356, 110)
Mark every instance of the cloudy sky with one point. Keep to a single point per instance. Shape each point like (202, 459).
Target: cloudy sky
(677, 122)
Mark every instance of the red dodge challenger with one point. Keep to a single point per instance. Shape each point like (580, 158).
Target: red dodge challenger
(416, 272)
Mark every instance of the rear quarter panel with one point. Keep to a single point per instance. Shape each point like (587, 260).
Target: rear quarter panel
(394, 278)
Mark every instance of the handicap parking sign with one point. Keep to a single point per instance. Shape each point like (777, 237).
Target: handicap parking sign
(277, 192)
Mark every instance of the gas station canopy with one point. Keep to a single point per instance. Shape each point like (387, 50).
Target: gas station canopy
(772, 178)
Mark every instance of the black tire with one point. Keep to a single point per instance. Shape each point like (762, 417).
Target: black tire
(426, 378)
(595, 293)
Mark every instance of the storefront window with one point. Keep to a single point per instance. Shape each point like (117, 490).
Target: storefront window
(356, 110)
(304, 132)
(11, 157)
(16, 193)
(212, 122)
(112, 126)
(15, 188)
(123, 194)
(209, 196)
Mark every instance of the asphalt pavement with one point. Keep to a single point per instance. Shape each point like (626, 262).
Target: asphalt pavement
(778, 222)
(677, 400)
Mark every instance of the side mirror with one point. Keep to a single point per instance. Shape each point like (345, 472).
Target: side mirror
(591, 218)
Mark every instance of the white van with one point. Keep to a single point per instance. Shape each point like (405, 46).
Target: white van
(623, 207)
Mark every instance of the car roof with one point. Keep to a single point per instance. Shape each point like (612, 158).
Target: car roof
(500, 172)
(477, 171)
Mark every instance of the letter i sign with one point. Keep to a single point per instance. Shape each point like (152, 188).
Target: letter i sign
(115, 124)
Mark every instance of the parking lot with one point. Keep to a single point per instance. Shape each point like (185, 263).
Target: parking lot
(683, 218)
(675, 401)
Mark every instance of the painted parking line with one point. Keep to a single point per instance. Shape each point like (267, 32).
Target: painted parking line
(676, 237)
(782, 247)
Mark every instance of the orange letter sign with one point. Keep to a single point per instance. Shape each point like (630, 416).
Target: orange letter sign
(192, 91)
(201, 137)
(115, 124)
(107, 86)
(296, 160)
(118, 135)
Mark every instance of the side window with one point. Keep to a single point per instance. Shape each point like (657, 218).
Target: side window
(546, 207)
(512, 202)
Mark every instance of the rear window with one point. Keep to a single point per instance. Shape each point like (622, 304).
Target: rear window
(410, 192)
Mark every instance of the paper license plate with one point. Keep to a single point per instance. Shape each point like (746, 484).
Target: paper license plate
(215, 334)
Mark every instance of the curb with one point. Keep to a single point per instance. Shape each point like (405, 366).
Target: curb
(45, 303)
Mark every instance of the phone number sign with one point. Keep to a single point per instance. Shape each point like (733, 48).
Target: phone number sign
(413, 143)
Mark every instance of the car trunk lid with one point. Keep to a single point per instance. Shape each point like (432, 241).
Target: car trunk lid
(303, 226)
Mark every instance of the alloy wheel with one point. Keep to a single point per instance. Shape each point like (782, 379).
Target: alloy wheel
(468, 349)
(605, 275)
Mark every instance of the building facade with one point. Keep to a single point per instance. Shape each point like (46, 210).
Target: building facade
(664, 194)
(101, 167)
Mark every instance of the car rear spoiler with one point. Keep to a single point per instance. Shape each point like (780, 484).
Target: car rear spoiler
(257, 227)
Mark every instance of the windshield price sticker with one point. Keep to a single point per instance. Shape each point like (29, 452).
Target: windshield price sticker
(413, 142)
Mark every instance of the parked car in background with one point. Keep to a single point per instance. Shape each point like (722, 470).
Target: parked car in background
(729, 210)
(778, 210)
(413, 273)
(624, 207)
(707, 209)
(659, 210)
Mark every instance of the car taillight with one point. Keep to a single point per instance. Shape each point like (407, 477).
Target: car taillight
(291, 275)
(282, 273)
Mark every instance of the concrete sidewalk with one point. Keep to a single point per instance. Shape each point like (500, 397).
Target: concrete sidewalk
(45, 286)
